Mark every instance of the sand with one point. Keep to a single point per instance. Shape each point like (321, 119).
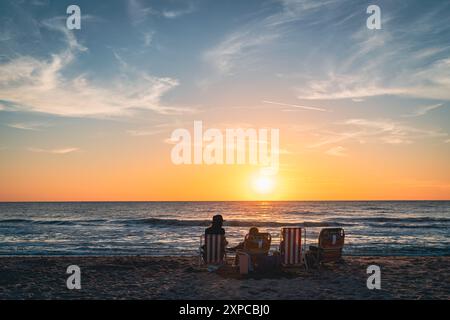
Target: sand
(182, 278)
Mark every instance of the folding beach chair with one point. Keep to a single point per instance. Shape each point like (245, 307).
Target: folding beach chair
(256, 244)
(291, 246)
(212, 249)
(256, 248)
(329, 249)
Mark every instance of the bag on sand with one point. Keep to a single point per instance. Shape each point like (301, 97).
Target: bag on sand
(268, 263)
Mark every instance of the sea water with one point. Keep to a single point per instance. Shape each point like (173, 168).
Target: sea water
(174, 228)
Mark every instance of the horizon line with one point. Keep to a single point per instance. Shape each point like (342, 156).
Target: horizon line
(142, 201)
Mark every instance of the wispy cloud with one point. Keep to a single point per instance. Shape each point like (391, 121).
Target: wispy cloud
(40, 86)
(175, 13)
(328, 138)
(40, 2)
(393, 61)
(362, 131)
(243, 44)
(54, 151)
(392, 132)
(337, 151)
(423, 110)
(140, 133)
(5, 35)
(295, 106)
(344, 86)
(139, 11)
(27, 126)
(148, 38)
(235, 48)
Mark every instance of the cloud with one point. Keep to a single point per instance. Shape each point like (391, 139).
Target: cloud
(148, 38)
(295, 106)
(243, 44)
(335, 137)
(234, 48)
(26, 126)
(39, 85)
(54, 151)
(5, 35)
(393, 61)
(384, 131)
(295, 10)
(337, 151)
(171, 14)
(40, 2)
(392, 132)
(139, 12)
(140, 133)
(341, 86)
(421, 111)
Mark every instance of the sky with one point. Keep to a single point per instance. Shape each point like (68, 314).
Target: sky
(87, 115)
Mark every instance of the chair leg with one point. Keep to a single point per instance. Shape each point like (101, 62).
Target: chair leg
(305, 261)
(200, 259)
(200, 253)
(311, 260)
(316, 262)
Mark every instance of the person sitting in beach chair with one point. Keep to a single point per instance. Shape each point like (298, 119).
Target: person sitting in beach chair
(329, 249)
(213, 248)
(256, 245)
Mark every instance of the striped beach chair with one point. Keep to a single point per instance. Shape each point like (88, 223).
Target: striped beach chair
(212, 249)
(291, 246)
(329, 248)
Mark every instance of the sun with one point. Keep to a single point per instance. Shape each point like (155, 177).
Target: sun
(263, 184)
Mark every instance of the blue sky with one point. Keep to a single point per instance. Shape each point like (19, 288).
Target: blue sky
(298, 49)
(141, 68)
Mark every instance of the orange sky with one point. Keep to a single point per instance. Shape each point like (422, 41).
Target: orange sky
(140, 170)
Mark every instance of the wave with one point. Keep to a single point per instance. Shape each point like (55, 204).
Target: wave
(306, 212)
(406, 226)
(174, 222)
(51, 222)
(376, 222)
(15, 220)
(229, 223)
(403, 220)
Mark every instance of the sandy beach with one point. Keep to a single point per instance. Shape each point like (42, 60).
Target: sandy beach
(181, 278)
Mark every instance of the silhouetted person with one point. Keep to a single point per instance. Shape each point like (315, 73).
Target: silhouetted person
(252, 232)
(216, 228)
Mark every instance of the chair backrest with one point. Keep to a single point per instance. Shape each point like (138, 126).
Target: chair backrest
(258, 243)
(214, 248)
(291, 245)
(331, 238)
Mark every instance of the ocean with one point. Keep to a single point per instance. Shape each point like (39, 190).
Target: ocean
(173, 228)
